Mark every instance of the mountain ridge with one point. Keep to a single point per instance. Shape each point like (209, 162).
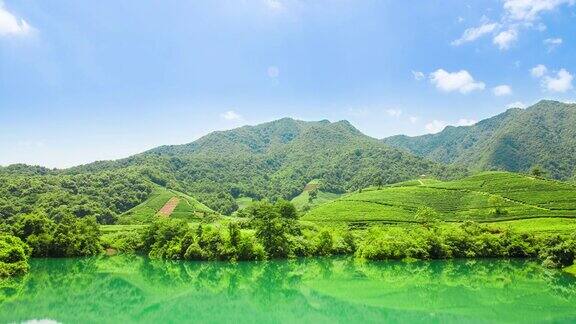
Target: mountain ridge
(275, 160)
(517, 140)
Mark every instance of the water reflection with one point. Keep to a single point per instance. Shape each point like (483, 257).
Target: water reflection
(136, 289)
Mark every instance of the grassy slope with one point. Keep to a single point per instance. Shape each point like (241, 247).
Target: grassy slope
(244, 202)
(323, 197)
(473, 198)
(188, 207)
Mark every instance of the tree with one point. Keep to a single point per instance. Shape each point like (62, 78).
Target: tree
(234, 233)
(286, 209)
(496, 202)
(312, 194)
(271, 230)
(13, 256)
(37, 231)
(76, 237)
(537, 171)
(426, 215)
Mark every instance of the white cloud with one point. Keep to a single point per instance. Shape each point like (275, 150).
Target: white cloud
(502, 90)
(517, 104)
(460, 81)
(231, 115)
(418, 76)
(517, 16)
(530, 10)
(552, 43)
(505, 39)
(465, 122)
(472, 34)
(394, 112)
(273, 72)
(275, 5)
(10, 25)
(538, 71)
(435, 126)
(413, 119)
(561, 83)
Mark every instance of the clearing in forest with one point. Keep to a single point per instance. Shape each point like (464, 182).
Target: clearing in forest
(169, 207)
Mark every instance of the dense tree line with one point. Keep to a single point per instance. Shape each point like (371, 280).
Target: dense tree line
(272, 231)
(103, 195)
(65, 236)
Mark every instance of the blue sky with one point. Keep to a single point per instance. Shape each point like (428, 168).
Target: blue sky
(92, 80)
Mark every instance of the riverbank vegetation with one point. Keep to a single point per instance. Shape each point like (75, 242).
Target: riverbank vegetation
(273, 231)
(489, 215)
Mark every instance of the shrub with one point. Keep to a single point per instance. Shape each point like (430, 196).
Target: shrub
(14, 256)
(324, 243)
(559, 252)
(69, 236)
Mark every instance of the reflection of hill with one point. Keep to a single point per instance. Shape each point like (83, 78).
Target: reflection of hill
(493, 290)
(129, 288)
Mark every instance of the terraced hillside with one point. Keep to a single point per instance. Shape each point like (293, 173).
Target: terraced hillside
(166, 203)
(485, 197)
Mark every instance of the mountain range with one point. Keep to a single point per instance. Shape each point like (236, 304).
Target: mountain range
(277, 159)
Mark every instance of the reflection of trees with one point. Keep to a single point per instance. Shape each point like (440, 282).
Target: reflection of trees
(463, 274)
(11, 288)
(129, 287)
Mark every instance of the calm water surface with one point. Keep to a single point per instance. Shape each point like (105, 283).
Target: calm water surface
(135, 289)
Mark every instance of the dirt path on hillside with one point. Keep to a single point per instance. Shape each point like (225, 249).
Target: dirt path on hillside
(169, 207)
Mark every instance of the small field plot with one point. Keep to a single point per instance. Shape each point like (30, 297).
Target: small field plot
(166, 203)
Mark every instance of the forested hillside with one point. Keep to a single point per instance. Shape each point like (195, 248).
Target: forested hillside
(276, 160)
(542, 135)
(104, 195)
(268, 161)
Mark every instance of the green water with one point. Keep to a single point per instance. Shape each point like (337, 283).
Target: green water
(136, 289)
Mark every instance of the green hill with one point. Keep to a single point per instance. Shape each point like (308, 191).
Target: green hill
(276, 160)
(543, 134)
(488, 196)
(186, 207)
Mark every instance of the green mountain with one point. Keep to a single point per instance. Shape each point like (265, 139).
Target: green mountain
(542, 135)
(277, 160)
(268, 161)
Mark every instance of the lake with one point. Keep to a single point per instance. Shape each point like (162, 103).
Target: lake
(124, 289)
